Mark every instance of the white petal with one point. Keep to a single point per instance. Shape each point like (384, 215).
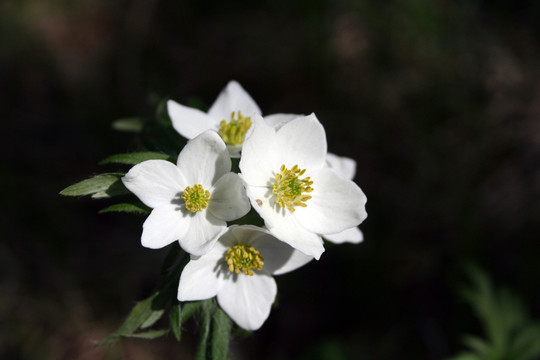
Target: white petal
(233, 98)
(202, 233)
(164, 225)
(336, 204)
(204, 159)
(228, 200)
(343, 166)
(248, 299)
(301, 141)
(352, 235)
(257, 162)
(190, 122)
(279, 257)
(278, 120)
(283, 224)
(201, 279)
(155, 182)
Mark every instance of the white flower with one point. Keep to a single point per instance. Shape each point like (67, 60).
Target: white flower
(345, 167)
(238, 270)
(291, 187)
(230, 115)
(192, 200)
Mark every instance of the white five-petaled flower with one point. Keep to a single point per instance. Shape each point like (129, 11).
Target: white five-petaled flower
(238, 270)
(345, 167)
(230, 115)
(290, 185)
(192, 200)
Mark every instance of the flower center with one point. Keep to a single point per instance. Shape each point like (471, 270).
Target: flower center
(196, 198)
(243, 258)
(290, 190)
(234, 131)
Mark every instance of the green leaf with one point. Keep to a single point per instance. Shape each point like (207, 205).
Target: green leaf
(176, 325)
(152, 334)
(138, 315)
(171, 258)
(135, 158)
(221, 330)
(133, 124)
(99, 186)
(204, 331)
(188, 309)
(153, 318)
(138, 208)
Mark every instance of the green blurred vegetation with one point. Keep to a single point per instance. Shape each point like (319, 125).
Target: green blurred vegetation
(437, 101)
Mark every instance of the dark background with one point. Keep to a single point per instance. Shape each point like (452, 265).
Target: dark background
(437, 101)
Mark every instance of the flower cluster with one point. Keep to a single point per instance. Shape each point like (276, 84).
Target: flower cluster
(302, 193)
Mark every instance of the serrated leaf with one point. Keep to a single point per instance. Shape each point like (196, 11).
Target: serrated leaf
(176, 325)
(135, 158)
(138, 208)
(221, 329)
(133, 124)
(103, 185)
(152, 334)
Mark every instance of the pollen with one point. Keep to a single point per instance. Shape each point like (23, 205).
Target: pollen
(290, 189)
(234, 131)
(244, 258)
(196, 198)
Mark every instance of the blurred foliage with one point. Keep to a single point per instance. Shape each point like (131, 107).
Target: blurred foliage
(510, 333)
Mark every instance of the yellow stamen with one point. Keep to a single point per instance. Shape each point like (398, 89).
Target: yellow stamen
(243, 258)
(196, 198)
(290, 190)
(234, 131)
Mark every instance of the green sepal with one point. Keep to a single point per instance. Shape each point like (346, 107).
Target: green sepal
(135, 158)
(100, 186)
(221, 330)
(136, 208)
(133, 124)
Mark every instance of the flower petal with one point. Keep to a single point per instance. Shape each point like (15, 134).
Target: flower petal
(257, 161)
(248, 299)
(190, 122)
(279, 257)
(282, 224)
(155, 182)
(233, 98)
(228, 200)
(278, 120)
(164, 225)
(343, 166)
(301, 141)
(202, 233)
(336, 204)
(204, 159)
(201, 279)
(352, 235)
